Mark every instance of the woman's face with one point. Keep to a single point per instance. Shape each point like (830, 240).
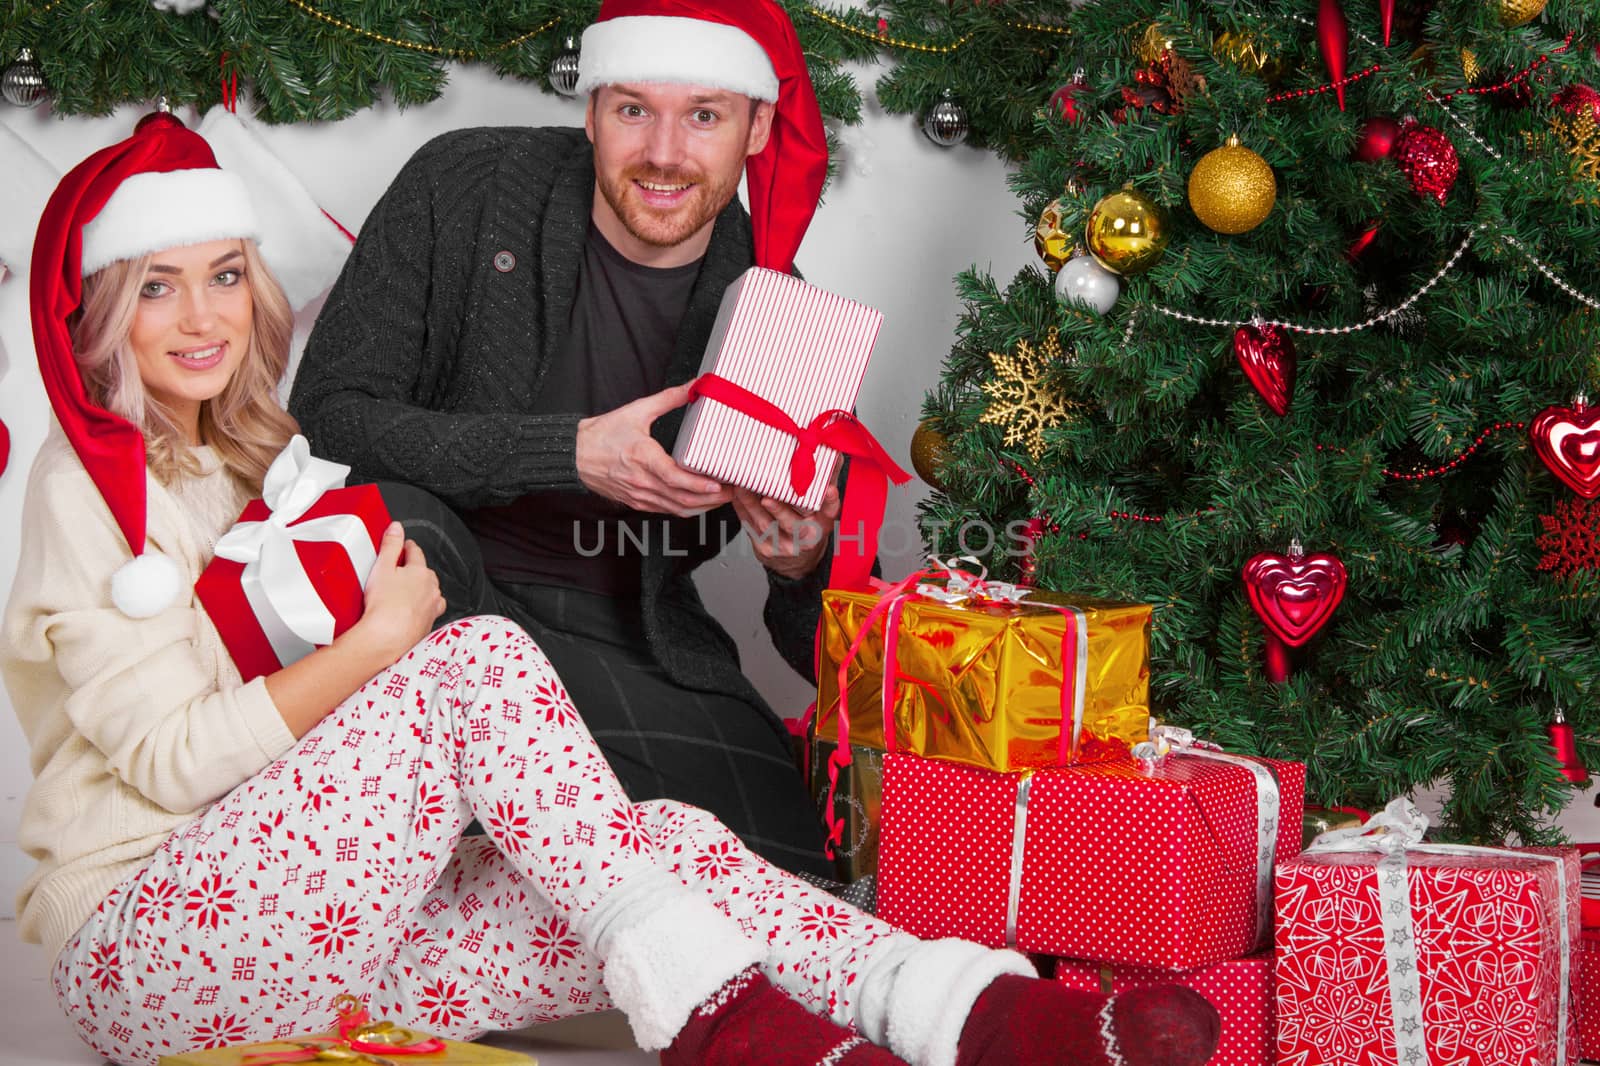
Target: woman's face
(192, 326)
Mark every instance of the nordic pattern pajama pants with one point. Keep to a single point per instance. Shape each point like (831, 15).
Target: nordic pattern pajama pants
(341, 868)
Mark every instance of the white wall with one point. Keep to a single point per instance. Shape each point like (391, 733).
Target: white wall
(900, 221)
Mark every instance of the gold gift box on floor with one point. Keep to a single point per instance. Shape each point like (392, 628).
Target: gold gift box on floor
(359, 1041)
(981, 681)
(455, 1053)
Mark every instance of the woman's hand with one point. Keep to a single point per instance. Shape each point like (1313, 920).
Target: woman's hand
(403, 598)
(401, 603)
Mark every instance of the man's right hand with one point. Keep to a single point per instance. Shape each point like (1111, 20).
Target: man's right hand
(618, 459)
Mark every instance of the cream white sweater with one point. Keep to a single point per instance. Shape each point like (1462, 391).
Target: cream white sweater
(135, 726)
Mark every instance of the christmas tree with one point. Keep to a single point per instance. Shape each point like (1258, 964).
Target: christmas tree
(1304, 365)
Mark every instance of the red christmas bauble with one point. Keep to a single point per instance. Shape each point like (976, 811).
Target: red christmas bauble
(1377, 140)
(1363, 242)
(1294, 594)
(1428, 160)
(1266, 353)
(1064, 102)
(1567, 440)
(1576, 99)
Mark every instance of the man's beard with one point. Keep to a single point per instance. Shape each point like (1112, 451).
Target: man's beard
(665, 229)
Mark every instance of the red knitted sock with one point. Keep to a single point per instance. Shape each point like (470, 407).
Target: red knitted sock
(1042, 1023)
(750, 1020)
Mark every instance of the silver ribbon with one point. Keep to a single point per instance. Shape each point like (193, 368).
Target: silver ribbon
(1393, 832)
(1166, 740)
(275, 583)
(1019, 833)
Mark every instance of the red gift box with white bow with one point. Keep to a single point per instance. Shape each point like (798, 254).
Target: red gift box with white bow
(1240, 989)
(291, 573)
(1392, 950)
(1166, 864)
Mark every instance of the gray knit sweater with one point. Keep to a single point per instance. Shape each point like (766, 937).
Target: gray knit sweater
(425, 361)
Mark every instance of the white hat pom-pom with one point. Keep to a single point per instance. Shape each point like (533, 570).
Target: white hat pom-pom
(145, 586)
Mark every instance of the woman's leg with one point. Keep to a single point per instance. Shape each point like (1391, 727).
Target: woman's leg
(300, 883)
(933, 1003)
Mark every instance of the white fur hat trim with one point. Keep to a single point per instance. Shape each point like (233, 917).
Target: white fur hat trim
(170, 209)
(684, 51)
(146, 585)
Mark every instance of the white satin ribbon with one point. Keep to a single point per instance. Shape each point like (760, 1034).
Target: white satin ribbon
(1168, 740)
(1392, 832)
(276, 585)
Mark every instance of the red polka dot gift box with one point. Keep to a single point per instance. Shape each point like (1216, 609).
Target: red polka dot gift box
(291, 573)
(1393, 950)
(1165, 864)
(1240, 989)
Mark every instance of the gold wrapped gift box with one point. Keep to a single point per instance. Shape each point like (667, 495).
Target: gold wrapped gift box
(455, 1053)
(981, 682)
(358, 1040)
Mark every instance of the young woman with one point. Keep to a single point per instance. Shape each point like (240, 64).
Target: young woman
(218, 860)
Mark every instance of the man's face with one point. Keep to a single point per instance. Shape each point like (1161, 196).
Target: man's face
(667, 161)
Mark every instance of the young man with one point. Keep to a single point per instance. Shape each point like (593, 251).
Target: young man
(513, 335)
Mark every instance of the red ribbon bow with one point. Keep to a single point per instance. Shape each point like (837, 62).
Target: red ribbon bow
(866, 491)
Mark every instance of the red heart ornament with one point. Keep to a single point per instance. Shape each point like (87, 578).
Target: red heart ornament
(1294, 594)
(1568, 441)
(1266, 353)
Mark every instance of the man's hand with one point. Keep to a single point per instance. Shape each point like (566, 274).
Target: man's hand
(618, 459)
(788, 542)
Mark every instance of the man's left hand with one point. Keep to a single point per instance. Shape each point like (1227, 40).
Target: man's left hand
(788, 542)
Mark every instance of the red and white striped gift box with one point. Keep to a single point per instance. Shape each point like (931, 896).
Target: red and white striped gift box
(799, 347)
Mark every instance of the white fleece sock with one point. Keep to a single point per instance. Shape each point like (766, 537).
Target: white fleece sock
(916, 994)
(666, 950)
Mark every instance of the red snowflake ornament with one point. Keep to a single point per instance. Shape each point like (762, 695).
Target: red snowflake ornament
(1571, 540)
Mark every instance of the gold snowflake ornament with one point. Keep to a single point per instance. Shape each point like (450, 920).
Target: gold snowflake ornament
(1019, 399)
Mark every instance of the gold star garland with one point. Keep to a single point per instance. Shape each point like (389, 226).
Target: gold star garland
(1021, 401)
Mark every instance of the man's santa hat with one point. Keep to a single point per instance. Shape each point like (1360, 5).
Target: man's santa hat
(161, 188)
(743, 46)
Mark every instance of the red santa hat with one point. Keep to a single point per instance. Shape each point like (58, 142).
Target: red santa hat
(744, 46)
(160, 188)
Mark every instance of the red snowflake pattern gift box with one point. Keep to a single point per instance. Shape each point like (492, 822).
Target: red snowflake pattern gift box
(1240, 989)
(356, 1039)
(1161, 862)
(771, 409)
(291, 574)
(1391, 950)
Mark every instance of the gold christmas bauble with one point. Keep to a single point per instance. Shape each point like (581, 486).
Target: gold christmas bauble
(929, 449)
(1248, 56)
(1318, 820)
(1127, 232)
(1232, 189)
(1050, 237)
(1518, 12)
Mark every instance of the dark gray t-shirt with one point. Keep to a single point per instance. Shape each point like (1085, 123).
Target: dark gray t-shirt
(618, 346)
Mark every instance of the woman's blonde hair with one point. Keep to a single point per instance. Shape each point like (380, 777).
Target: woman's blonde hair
(245, 424)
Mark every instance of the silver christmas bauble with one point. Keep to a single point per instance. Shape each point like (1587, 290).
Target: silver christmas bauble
(22, 82)
(1082, 280)
(564, 69)
(946, 123)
